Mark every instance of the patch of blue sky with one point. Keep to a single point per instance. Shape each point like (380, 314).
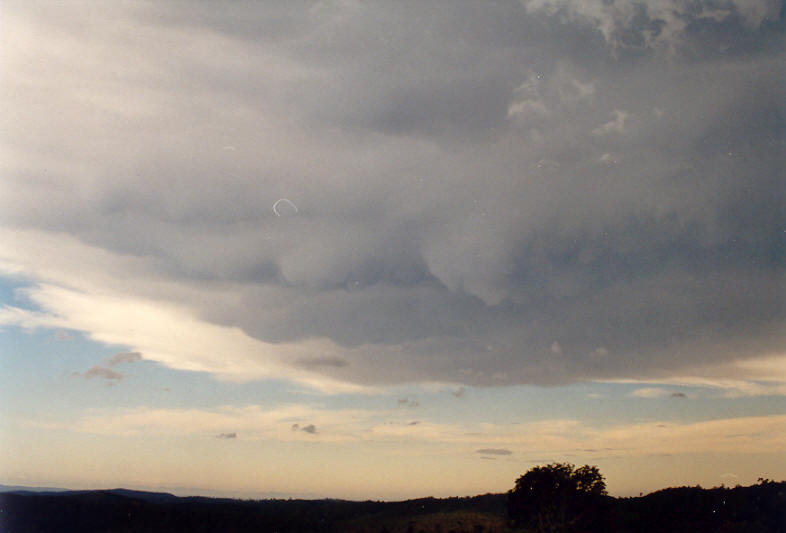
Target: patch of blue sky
(11, 295)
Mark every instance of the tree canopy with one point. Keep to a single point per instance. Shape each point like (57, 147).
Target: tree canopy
(558, 498)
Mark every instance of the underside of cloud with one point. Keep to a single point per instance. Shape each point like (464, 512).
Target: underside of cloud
(487, 213)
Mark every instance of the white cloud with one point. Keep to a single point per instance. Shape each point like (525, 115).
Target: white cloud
(728, 387)
(650, 392)
(166, 333)
(615, 125)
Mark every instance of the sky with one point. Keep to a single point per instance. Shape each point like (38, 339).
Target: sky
(386, 250)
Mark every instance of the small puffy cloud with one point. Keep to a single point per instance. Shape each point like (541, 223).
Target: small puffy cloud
(295, 427)
(102, 373)
(494, 451)
(124, 357)
(226, 435)
(678, 395)
(414, 423)
(406, 402)
(63, 335)
(460, 392)
(311, 428)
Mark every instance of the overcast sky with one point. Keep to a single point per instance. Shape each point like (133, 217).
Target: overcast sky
(359, 211)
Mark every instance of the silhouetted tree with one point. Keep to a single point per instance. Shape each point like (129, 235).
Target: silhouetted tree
(559, 498)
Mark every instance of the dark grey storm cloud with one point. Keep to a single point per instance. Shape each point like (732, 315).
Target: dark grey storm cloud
(486, 193)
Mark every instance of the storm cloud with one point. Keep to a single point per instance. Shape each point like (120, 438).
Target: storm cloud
(486, 194)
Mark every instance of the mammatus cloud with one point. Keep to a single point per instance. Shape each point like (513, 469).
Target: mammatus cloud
(632, 24)
(580, 191)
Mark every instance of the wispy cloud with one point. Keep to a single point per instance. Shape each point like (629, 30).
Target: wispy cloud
(650, 392)
(124, 357)
(494, 451)
(100, 372)
(557, 437)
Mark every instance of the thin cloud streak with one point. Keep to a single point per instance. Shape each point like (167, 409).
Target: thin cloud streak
(755, 434)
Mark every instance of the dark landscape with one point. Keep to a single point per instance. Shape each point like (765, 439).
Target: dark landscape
(760, 508)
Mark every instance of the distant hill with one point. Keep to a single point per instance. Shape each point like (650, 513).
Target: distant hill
(756, 509)
(19, 488)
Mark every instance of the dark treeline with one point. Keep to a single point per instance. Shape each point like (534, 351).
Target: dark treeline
(759, 508)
